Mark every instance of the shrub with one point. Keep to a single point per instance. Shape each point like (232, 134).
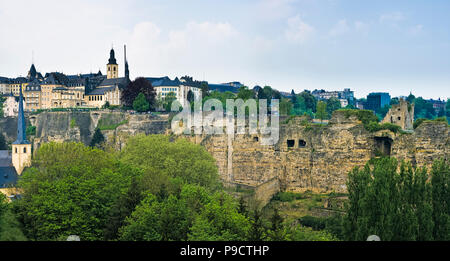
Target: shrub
(31, 130)
(418, 122)
(287, 196)
(313, 222)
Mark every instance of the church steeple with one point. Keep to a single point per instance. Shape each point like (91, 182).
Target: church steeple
(112, 58)
(112, 69)
(21, 125)
(21, 148)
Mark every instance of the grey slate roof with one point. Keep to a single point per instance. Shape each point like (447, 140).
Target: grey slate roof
(121, 82)
(33, 86)
(163, 81)
(223, 88)
(101, 90)
(8, 174)
(4, 80)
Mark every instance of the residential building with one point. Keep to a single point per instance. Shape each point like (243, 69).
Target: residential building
(438, 105)
(164, 86)
(346, 96)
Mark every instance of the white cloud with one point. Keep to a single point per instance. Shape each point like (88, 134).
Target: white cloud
(298, 31)
(361, 27)
(394, 17)
(186, 50)
(275, 9)
(339, 29)
(416, 30)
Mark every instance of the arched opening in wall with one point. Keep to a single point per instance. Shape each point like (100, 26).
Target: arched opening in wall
(383, 146)
(290, 143)
(301, 143)
(255, 139)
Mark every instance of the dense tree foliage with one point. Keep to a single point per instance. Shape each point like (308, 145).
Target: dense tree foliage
(9, 226)
(69, 190)
(162, 160)
(285, 107)
(140, 104)
(134, 88)
(321, 110)
(205, 89)
(168, 100)
(332, 105)
(397, 203)
(190, 96)
(2, 100)
(423, 109)
(245, 93)
(3, 144)
(97, 138)
(440, 181)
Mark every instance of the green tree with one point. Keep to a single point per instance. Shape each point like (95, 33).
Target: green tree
(161, 160)
(205, 89)
(257, 230)
(134, 88)
(309, 100)
(69, 190)
(220, 221)
(106, 105)
(393, 205)
(168, 100)
(332, 105)
(140, 104)
(285, 107)
(190, 96)
(122, 208)
(3, 145)
(299, 107)
(308, 234)
(410, 98)
(440, 180)
(9, 226)
(423, 109)
(277, 231)
(321, 111)
(243, 208)
(244, 93)
(447, 108)
(97, 139)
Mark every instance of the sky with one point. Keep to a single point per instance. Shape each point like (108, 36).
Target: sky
(390, 46)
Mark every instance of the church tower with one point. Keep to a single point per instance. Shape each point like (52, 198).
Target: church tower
(21, 148)
(112, 69)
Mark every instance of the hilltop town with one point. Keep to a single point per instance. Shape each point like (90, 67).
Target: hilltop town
(323, 137)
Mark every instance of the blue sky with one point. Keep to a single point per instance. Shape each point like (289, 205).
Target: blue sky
(394, 46)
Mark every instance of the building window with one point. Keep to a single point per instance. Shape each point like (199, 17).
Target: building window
(25, 150)
(301, 143)
(290, 143)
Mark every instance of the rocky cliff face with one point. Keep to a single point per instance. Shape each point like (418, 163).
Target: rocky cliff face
(80, 126)
(307, 157)
(318, 157)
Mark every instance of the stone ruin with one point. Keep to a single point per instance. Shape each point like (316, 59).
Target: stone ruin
(401, 114)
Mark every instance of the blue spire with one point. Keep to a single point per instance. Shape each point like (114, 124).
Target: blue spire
(21, 124)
